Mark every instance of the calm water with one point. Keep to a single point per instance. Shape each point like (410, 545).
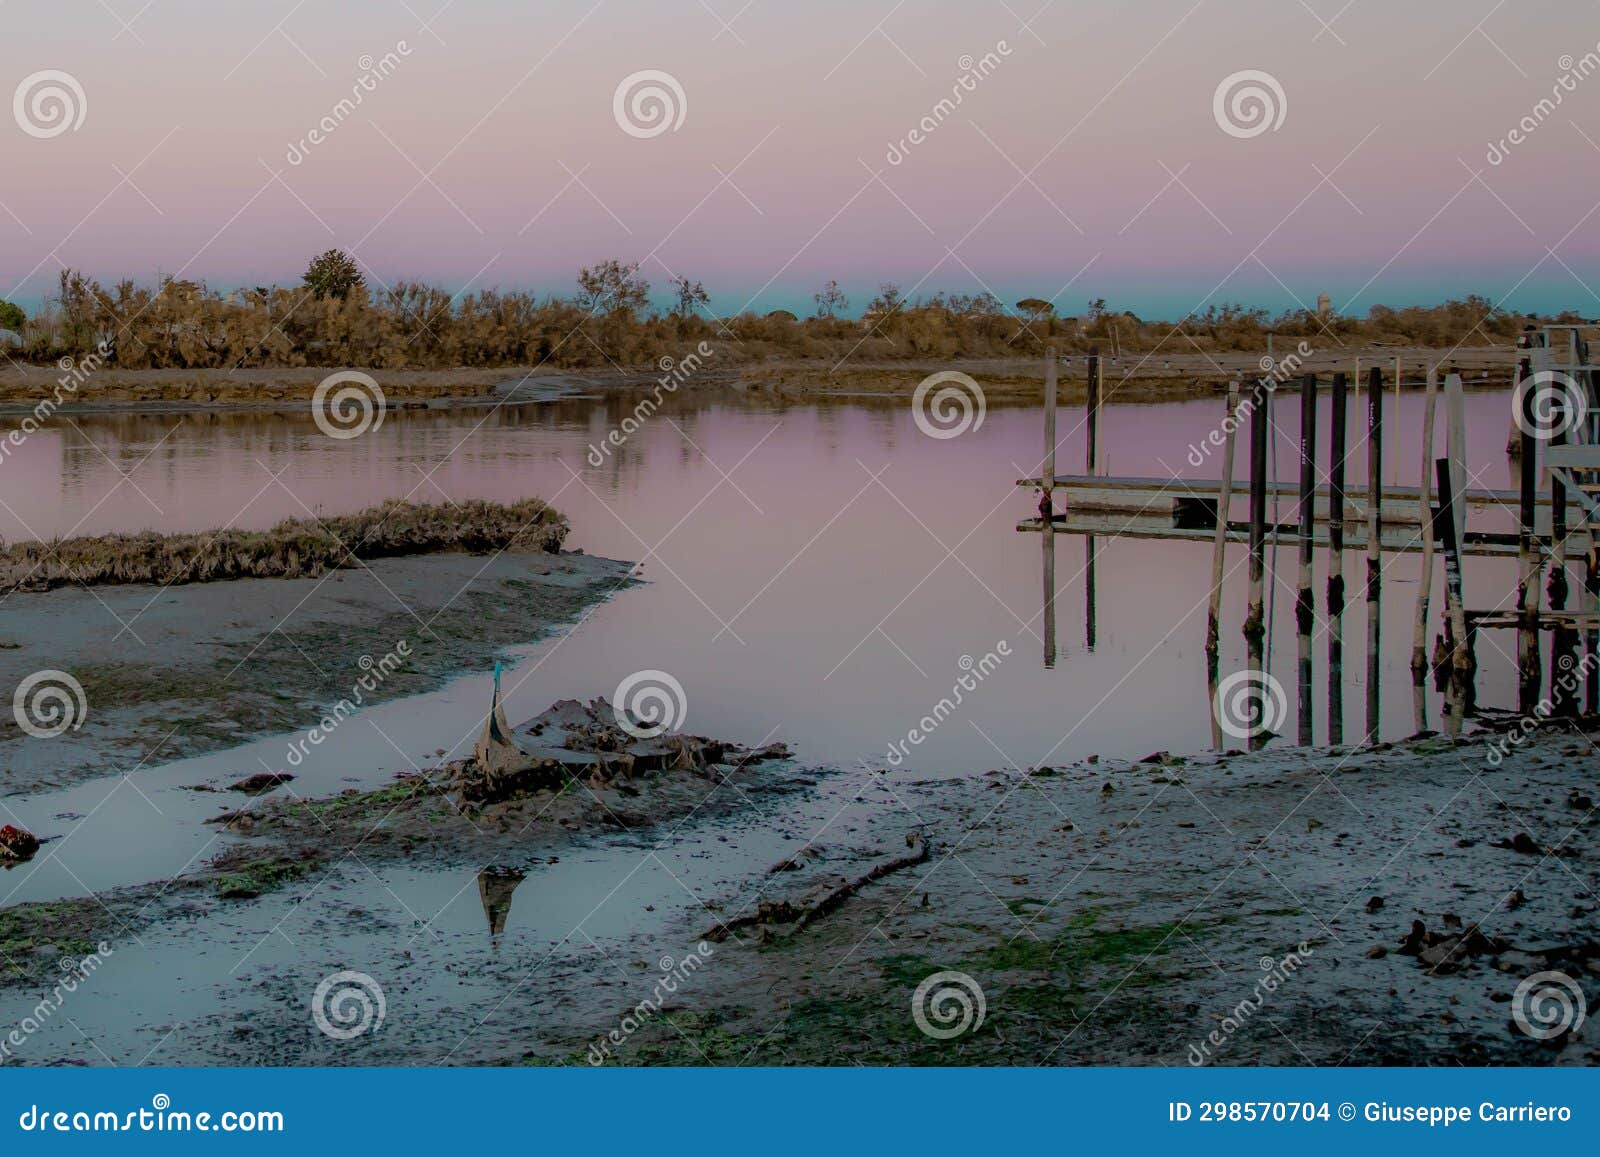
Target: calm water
(816, 572)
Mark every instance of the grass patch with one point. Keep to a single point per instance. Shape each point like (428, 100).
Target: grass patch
(295, 548)
(248, 880)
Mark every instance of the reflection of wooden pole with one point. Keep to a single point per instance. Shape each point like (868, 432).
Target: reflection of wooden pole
(1305, 604)
(1049, 537)
(1529, 675)
(1337, 438)
(1564, 641)
(1255, 619)
(1419, 627)
(1219, 550)
(1374, 549)
(1455, 449)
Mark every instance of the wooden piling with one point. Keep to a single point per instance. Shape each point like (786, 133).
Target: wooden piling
(1049, 540)
(1048, 480)
(1455, 448)
(1529, 675)
(1305, 606)
(1255, 619)
(1374, 549)
(1219, 550)
(1419, 627)
(1337, 438)
(1460, 659)
(1092, 415)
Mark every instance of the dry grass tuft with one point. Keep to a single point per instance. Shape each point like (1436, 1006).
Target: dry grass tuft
(295, 548)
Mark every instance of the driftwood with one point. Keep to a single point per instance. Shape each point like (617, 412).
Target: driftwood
(823, 897)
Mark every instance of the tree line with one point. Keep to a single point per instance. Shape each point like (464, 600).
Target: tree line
(334, 317)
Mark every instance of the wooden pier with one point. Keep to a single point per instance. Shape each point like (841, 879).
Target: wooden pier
(1547, 530)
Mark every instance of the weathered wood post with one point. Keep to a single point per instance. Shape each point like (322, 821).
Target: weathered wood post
(1419, 627)
(1219, 550)
(1255, 617)
(1305, 604)
(1092, 454)
(1047, 504)
(1374, 549)
(1337, 438)
(1460, 661)
(1529, 675)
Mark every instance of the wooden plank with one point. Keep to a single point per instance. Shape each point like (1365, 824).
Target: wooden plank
(1218, 558)
(1255, 619)
(1337, 453)
(1305, 605)
(1396, 540)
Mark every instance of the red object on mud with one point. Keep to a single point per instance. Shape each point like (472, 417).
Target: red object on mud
(16, 844)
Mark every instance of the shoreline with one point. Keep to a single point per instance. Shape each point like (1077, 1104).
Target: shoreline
(1149, 377)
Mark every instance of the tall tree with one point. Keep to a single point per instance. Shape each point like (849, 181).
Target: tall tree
(334, 274)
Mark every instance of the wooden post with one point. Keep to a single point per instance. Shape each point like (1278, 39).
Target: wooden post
(1419, 628)
(1374, 549)
(1255, 619)
(1394, 475)
(1529, 675)
(1092, 416)
(1337, 438)
(1219, 550)
(1047, 504)
(1445, 528)
(1305, 605)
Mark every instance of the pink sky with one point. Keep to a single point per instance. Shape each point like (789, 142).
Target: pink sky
(1107, 109)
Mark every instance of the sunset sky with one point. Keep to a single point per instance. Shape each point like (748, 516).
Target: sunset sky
(1088, 163)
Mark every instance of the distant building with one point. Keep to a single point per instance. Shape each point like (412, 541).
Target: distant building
(1324, 305)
